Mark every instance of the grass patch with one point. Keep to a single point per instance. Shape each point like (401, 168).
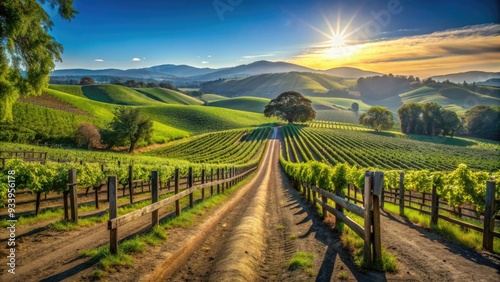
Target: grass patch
(292, 236)
(343, 275)
(301, 260)
(464, 236)
(280, 227)
(355, 244)
(63, 225)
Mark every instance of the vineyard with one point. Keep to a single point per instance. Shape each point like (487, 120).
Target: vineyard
(211, 152)
(235, 147)
(369, 149)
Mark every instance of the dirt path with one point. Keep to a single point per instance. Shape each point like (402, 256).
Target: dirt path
(426, 256)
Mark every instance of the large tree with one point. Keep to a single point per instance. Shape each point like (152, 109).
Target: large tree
(25, 45)
(483, 121)
(290, 106)
(130, 126)
(378, 118)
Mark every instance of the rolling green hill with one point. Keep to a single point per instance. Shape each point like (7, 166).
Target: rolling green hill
(116, 94)
(212, 97)
(249, 104)
(201, 119)
(169, 96)
(271, 85)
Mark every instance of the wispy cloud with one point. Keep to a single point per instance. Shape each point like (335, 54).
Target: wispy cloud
(98, 60)
(257, 56)
(205, 62)
(451, 50)
(136, 59)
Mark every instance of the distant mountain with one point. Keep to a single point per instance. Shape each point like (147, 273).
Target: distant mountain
(256, 68)
(490, 82)
(272, 84)
(350, 72)
(184, 73)
(469, 77)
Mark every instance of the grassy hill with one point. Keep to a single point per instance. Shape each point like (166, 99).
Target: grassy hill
(169, 96)
(61, 111)
(271, 85)
(212, 97)
(249, 104)
(201, 119)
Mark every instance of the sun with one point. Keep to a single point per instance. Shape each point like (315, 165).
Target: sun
(337, 41)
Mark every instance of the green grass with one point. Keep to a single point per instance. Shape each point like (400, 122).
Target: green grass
(117, 94)
(248, 104)
(355, 244)
(344, 103)
(201, 119)
(343, 275)
(464, 236)
(212, 97)
(70, 89)
(169, 96)
(301, 260)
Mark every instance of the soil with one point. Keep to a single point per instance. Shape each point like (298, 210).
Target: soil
(290, 225)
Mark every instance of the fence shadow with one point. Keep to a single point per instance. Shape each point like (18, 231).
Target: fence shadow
(487, 259)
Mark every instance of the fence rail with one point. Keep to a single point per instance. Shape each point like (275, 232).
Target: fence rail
(370, 231)
(115, 222)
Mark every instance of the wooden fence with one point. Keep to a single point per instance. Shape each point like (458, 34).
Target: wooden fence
(221, 184)
(30, 156)
(431, 204)
(370, 212)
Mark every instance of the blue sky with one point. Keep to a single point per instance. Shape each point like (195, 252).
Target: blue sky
(206, 33)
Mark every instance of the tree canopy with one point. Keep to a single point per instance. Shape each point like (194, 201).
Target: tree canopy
(378, 118)
(290, 106)
(130, 126)
(27, 51)
(483, 121)
(428, 118)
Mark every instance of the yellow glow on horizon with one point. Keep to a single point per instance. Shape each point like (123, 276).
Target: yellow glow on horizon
(469, 48)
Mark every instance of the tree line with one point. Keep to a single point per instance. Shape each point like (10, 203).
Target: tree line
(432, 119)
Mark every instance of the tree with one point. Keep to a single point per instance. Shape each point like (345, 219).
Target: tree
(378, 118)
(355, 107)
(88, 135)
(130, 126)
(290, 106)
(432, 118)
(86, 80)
(25, 44)
(410, 116)
(450, 122)
(483, 121)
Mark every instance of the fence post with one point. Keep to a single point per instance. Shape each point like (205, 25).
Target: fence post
(218, 178)
(203, 182)
(489, 218)
(176, 191)
(402, 194)
(434, 206)
(378, 190)
(190, 184)
(154, 197)
(368, 222)
(211, 180)
(223, 177)
(113, 212)
(130, 186)
(73, 195)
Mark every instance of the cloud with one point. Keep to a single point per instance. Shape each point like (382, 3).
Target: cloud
(205, 62)
(136, 59)
(453, 50)
(257, 56)
(210, 56)
(98, 60)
